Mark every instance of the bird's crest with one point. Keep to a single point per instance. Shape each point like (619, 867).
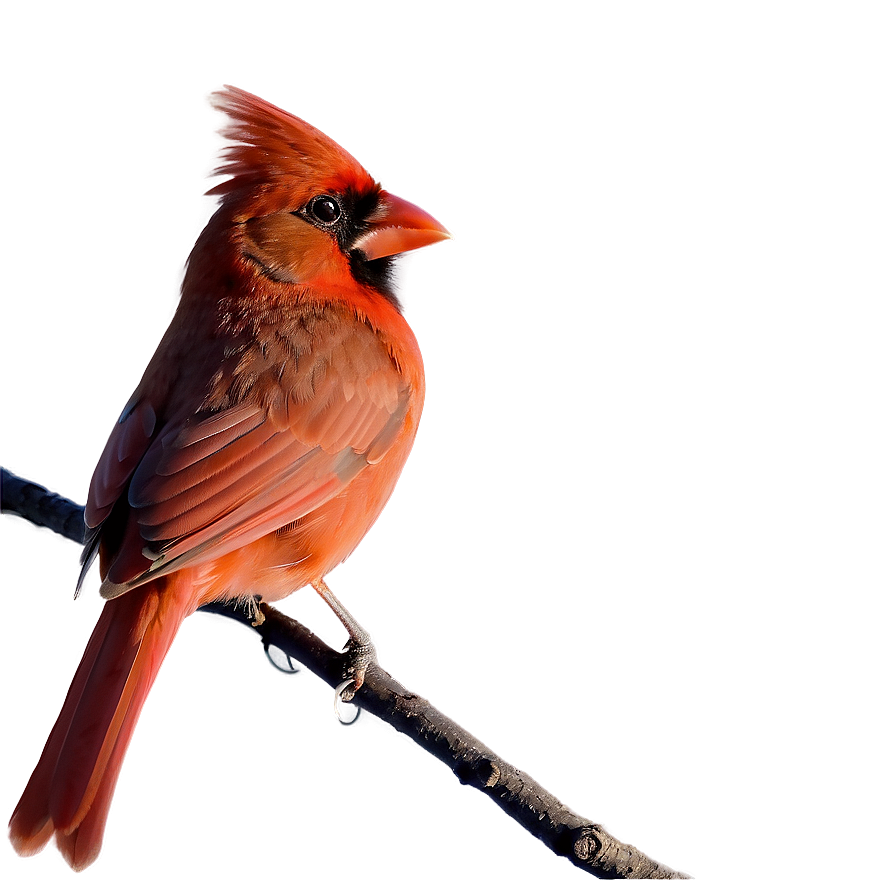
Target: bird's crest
(271, 148)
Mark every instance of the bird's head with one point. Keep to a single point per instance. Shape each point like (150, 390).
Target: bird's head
(300, 209)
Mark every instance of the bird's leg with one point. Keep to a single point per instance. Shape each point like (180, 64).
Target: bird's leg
(360, 653)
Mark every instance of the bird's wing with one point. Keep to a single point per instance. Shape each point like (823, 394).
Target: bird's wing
(203, 486)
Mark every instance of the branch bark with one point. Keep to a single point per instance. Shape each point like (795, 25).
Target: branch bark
(586, 844)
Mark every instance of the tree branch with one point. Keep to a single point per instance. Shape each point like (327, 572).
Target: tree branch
(586, 844)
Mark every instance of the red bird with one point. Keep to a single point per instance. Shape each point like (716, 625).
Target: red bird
(261, 444)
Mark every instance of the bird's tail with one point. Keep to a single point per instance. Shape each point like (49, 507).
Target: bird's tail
(71, 788)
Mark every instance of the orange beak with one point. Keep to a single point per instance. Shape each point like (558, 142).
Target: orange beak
(398, 226)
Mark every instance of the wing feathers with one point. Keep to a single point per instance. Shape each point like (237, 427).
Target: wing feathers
(196, 441)
(235, 421)
(310, 483)
(210, 498)
(126, 445)
(153, 485)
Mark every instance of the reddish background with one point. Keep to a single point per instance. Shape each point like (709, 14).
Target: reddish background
(644, 547)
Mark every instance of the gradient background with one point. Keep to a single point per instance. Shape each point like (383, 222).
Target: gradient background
(644, 545)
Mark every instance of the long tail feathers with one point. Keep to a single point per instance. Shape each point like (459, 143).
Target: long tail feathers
(71, 788)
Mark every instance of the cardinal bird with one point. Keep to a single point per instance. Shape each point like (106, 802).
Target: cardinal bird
(261, 444)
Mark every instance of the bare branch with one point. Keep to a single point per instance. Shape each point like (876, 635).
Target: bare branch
(586, 844)
(41, 507)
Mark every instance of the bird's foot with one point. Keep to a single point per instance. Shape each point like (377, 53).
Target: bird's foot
(360, 655)
(253, 611)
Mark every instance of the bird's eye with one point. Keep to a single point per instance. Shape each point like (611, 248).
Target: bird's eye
(324, 209)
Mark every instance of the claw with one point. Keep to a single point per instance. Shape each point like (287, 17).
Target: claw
(279, 659)
(341, 700)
